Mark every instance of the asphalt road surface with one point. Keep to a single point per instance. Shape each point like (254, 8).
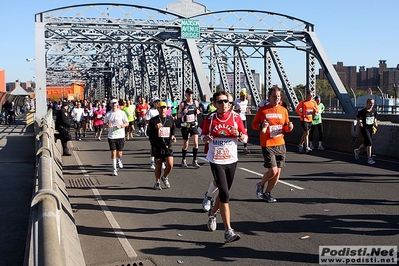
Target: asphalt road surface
(327, 197)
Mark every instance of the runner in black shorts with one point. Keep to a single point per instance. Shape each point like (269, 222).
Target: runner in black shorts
(161, 133)
(116, 144)
(116, 121)
(188, 111)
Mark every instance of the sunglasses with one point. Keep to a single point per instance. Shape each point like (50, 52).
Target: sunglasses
(222, 101)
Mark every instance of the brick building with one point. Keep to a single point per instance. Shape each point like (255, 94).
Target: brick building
(381, 76)
(29, 86)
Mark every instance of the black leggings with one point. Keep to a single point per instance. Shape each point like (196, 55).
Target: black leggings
(366, 134)
(319, 128)
(224, 176)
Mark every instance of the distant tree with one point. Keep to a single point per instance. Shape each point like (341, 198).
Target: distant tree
(391, 92)
(300, 91)
(324, 89)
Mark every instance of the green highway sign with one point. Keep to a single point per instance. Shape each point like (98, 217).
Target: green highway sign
(190, 29)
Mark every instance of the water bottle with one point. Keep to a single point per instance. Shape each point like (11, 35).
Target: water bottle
(265, 124)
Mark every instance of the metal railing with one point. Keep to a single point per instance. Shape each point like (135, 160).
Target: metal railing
(53, 235)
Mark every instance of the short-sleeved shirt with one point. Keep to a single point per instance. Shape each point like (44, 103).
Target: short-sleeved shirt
(130, 112)
(317, 116)
(242, 106)
(368, 117)
(116, 118)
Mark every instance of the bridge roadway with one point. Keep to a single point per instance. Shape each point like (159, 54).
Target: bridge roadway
(328, 196)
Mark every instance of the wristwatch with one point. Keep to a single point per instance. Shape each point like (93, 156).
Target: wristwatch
(240, 134)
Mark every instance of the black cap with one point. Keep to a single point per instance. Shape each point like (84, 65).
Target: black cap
(64, 103)
(189, 91)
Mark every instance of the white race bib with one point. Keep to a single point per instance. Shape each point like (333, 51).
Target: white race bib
(190, 118)
(275, 131)
(164, 132)
(221, 153)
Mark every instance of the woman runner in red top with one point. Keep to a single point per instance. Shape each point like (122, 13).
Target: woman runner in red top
(221, 130)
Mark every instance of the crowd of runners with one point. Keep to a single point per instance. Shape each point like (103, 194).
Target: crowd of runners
(222, 128)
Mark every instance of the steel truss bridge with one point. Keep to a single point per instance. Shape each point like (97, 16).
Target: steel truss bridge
(128, 50)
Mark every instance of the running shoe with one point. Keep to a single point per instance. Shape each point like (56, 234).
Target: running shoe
(206, 202)
(212, 221)
(311, 146)
(99, 139)
(357, 153)
(157, 186)
(230, 236)
(300, 148)
(307, 149)
(115, 173)
(246, 151)
(370, 161)
(152, 166)
(320, 148)
(195, 164)
(120, 164)
(183, 163)
(165, 181)
(268, 197)
(259, 191)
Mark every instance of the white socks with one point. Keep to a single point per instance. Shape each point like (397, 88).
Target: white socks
(114, 163)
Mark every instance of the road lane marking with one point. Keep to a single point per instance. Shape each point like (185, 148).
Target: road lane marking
(280, 181)
(258, 174)
(111, 219)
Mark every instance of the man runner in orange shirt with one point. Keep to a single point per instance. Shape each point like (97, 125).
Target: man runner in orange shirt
(272, 121)
(306, 109)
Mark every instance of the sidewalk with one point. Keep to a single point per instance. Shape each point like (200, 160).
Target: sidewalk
(17, 162)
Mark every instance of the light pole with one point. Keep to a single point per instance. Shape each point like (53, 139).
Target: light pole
(382, 98)
(354, 96)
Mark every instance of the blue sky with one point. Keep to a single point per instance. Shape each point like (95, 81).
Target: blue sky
(351, 31)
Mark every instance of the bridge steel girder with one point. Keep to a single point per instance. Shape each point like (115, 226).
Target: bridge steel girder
(284, 77)
(123, 43)
(332, 76)
(311, 71)
(268, 62)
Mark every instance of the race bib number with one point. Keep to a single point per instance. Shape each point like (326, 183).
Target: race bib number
(275, 131)
(190, 118)
(99, 116)
(221, 153)
(164, 132)
(370, 120)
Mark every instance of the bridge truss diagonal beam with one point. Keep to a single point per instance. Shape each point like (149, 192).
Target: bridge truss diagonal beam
(120, 50)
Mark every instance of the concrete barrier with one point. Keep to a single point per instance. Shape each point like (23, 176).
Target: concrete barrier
(53, 237)
(343, 135)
